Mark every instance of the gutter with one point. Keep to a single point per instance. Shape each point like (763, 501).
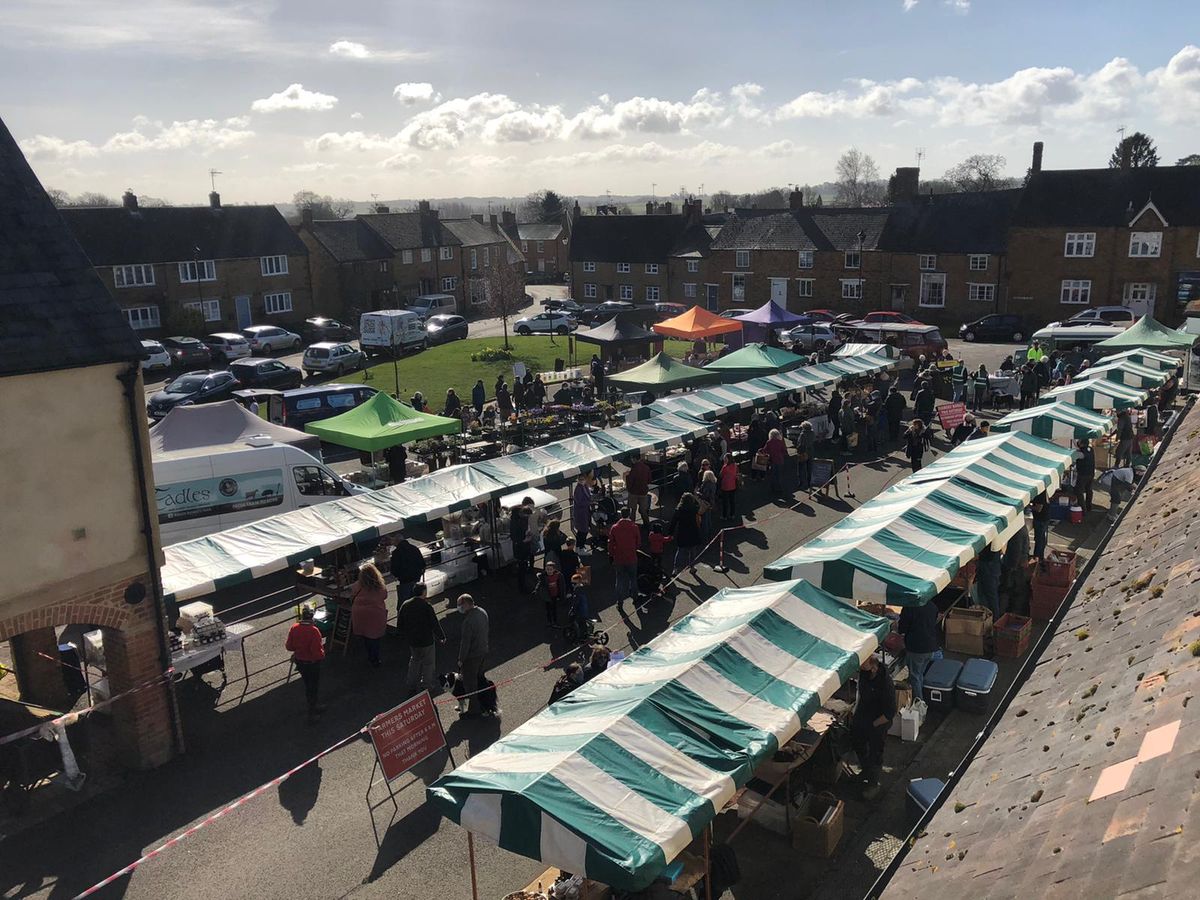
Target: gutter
(129, 380)
(1032, 660)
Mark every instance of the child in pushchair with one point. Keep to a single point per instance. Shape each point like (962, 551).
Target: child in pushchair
(604, 514)
(580, 625)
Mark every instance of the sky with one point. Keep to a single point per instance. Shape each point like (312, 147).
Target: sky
(467, 98)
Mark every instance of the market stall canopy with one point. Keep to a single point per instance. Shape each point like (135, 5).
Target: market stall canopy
(617, 330)
(697, 324)
(217, 425)
(552, 464)
(1127, 372)
(662, 373)
(1059, 421)
(1148, 334)
(907, 544)
(754, 360)
(380, 423)
(885, 350)
(614, 781)
(1096, 393)
(1148, 358)
(651, 434)
(759, 323)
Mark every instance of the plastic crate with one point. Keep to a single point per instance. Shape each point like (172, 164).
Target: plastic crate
(1010, 635)
(1045, 599)
(1059, 567)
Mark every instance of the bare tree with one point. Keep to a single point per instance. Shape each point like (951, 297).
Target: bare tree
(858, 182)
(503, 288)
(322, 206)
(544, 206)
(979, 172)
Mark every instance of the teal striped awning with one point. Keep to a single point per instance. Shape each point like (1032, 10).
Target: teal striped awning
(1096, 393)
(1127, 372)
(1060, 421)
(1150, 358)
(617, 779)
(905, 545)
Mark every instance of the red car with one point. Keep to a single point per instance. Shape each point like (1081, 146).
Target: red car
(881, 316)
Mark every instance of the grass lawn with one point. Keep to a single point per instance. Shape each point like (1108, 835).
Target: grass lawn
(434, 370)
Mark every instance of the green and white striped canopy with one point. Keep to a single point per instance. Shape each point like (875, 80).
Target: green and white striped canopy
(618, 778)
(1149, 358)
(884, 350)
(1127, 372)
(650, 434)
(553, 464)
(905, 545)
(1059, 421)
(1096, 393)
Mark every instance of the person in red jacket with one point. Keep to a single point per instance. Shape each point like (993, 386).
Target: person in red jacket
(308, 649)
(624, 539)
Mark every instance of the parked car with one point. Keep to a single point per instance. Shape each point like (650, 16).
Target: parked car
(913, 341)
(546, 323)
(812, 337)
(432, 304)
(226, 346)
(995, 327)
(321, 328)
(1111, 315)
(191, 388)
(598, 313)
(311, 404)
(157, 358)
(887, 315)
(266, 373)
(187, 352)
(270, 339)
(566, 305)
(329, 356)
(823, 315)
(441, 329)
(669, 310)
(733, 312)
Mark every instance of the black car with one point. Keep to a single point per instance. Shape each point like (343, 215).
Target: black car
(321, 328)
(193, 387)
(187, 352)
(311, 404)
(995, 327)
(444, 328)
(255, 372)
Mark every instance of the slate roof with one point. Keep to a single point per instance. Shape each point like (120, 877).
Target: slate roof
(404, 231)
(55, 313)
(635, 239)
(350, 240)
(114, 236)
(1109, 197)
(469, 233)
(951, 223)
(808, 228)
(1097, 716)
(539, 231)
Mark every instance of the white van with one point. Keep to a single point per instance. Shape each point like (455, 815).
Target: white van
(1075, 335)
(388, 331)
(428, 305)
(208, 489)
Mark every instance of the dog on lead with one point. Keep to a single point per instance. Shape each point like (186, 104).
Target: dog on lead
(488, 702)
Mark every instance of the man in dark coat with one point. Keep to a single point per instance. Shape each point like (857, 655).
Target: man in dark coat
(873, 714)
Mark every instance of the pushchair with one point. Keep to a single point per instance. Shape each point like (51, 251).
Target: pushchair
(604, 515)
(650, 576)
(581, 627)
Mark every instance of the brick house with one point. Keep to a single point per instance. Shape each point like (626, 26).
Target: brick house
(350, 266)
(235, 265)
(480, 246)
(419, 263)
(544, 245)
(83, 548)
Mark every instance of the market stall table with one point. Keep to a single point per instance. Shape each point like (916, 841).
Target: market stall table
(195, 656)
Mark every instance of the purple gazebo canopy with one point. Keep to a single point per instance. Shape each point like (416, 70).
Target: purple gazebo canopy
(761, 322)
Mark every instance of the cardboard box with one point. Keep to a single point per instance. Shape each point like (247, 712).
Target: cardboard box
(968, 644)
(976, 620)
(817, 831)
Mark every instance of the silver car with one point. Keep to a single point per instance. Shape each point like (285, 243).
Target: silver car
(227, 346)
(329, 356)
(546, 323)
(270, 339)
(811, 337)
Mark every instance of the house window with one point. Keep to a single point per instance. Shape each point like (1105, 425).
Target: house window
(589, 267)
(626, 292)
(804, 287)
(445, 253)
(539, 246)
(741, 259)
(693, 266)
(142, 317)
(978, 262)
(927, 262)
(384, 265)
(1080, 243)
(622, 268)
(478, 291)
(1145, 243)
(1076, 291)
(853, 259)
(140, 275)
(651, 293)
(426, 254)
(273, 265)
(739, 287)
(210, 308)
(984, 293)
(406, 257)
(278, 303)
(449, 283)
(487, 256)
(805, 259)
(933, 290)
(1140, 292)
(852, 289)
(651, 268)
(524, 246)
(204, 270)
(689, 291)
(589, 291)
(474, 261)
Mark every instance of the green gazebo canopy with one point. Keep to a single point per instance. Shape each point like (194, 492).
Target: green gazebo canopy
(665, 373)
(754, 360)
(380, 423)
(1146, 333)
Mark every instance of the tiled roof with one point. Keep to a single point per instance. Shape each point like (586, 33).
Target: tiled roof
(469, 233)
(1090, 784)
(539, 231)
(350, 240)
(114, 236)
(951, 223)
(1109, 197)
(635, 239)
(841, 226)
(404, 231)
(55, 313)
(808, 228)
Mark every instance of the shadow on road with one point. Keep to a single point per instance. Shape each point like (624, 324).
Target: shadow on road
(298, 795)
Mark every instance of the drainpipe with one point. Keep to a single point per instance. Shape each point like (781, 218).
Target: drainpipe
(129, 380)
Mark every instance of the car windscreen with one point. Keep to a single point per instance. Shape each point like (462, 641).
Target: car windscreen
(186, 384)
(318, 352)
(442, 321)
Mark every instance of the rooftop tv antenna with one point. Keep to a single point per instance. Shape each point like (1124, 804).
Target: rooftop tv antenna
(1121, 132)
(212, 177)
(920, 156)
(654, 190)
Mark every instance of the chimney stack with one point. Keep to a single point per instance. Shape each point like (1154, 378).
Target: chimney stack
(383, 209)
(214, 200)
(576, 212)
(306, 218)
(1036, 166)
(129, 200)
(492, 220)
(509, 218)
(649, 207)
(693, 211)
(906, 184)
(1126, 154)
(478, 217)
(796, 199)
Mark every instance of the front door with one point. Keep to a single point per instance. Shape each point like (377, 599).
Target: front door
(711, 300)
(244, 319)
(779, 291)
(541, 265)
(898, 296)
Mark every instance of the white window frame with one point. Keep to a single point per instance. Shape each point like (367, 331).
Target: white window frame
(623, 268)
(384, 265)
(487, 257)
(541, 246)
(524, 246)
(449, 283)
(741, 259)
(693, 266)
(210, 309)
(653, 294)
(426, 254)
(928, 281)
(406, 257)
(852, 259)
(805, 259)
(927, 262)
(1140, 291)
(474, 259)
(273, 265)
(277, 303)
(445, 253)
(651, 268)
(852, 288)
(141, 318)
(804, 288)
(1076, 291)
(1147, 244)
(187, 271)
(136, 275)
(979, 262)
(625, 292)
(478, 291)
(1079, 244)
(589, 267)
(589, 291)
(983, 292)
(689, 290)
(738, 291)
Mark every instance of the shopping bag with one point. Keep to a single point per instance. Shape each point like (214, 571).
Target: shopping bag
(761, 461)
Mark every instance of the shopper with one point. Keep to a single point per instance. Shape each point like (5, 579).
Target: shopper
(914, 443)
(570, 679)
(806, 446)
(418, 624)
(777, 456)
(624, 539)
(707, 493)
(847, 424)
(472, 650)
(728, 483)
(873, 713)
(637, 484)
(833, 410)
(478, 397)
(919, 625)
(987, 579)
(923, 403)
(504, 400)
(368, 610)
(895, 405)
(408, 567)
(597, 370)
(1029, 386)
(519, 521)
(581, 510)
(1041, 525)
(453, 404)
(568, 559)
(553, 539)
(307, 647)
(1085, 473)
(682, 483)
(1124, 454)
(685, 531)
(553, 590)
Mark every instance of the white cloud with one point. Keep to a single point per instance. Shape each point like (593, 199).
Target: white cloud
(206, 134)
(310, 167)
(649, 152)
(1175, 88)
(411, 93)
(354, 50)
(356, 115)
(42, 146)
(744, 96)
(872, 99)
(962, 7)
(778, 149)
(350, 50)
(525, 126)
(294, 96)
(1021, 99)
(648, 115)
(909, 4)
(475, 161)
(447, 125)
(350, 142)
(401, 161)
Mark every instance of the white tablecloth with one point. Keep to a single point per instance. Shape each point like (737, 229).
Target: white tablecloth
(187, 659)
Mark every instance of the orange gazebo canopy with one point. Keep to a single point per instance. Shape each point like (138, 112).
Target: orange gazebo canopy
(697, 324)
